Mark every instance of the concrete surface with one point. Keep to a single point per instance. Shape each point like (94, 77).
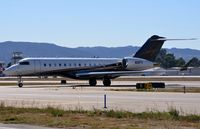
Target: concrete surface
(86, 97)
(64, 96)
(21, 126)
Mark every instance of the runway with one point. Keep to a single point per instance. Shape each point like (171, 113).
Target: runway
(171, 81)
(22, 126)
(88, 98)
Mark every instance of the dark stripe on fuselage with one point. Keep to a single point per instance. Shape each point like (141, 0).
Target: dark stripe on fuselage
(71, 72)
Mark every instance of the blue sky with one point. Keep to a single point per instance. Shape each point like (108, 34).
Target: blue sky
(111, 23)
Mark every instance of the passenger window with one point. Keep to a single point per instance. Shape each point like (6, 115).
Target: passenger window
(24, 63)
(85, 64)
(45, 65)
(60, 65)
(65, 65)
(49, 65)
(79, 64)
(70, 65)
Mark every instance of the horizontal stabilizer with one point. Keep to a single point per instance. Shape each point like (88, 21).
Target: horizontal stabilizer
(165, 39)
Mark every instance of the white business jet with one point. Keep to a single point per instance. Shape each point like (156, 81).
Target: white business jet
(91, 68)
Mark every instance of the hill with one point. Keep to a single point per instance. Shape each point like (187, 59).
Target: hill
(31, 49)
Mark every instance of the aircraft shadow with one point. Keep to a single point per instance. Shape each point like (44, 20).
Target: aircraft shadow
(72, 86)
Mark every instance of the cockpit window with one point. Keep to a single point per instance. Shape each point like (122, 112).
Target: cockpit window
(24, 63)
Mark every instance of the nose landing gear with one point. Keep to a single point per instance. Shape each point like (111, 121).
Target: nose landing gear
(20, 82)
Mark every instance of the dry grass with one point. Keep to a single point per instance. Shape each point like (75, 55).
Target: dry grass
(97, 119)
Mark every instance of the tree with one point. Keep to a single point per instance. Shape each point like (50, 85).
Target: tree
(161, 57)
(180, 62)
(169, 60)
(194, 62)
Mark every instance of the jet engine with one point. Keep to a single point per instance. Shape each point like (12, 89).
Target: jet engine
(130, 63)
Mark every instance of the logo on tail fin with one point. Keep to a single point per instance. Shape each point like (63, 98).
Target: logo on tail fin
(151, 48)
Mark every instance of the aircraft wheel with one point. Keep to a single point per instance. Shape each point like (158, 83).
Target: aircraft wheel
(63, 82)
(92, 82)
(106, 82)
(20, 85)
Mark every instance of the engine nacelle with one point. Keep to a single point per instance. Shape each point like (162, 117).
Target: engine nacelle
(131, 63)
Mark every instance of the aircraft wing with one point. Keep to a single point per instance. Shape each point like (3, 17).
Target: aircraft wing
(113, 74)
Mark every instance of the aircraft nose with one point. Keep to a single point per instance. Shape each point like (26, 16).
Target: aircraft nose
(11, 71)
(6, 72)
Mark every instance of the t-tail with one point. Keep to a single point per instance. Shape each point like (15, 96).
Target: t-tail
(151, 48)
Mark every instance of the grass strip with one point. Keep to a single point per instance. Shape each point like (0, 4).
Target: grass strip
(54, 117)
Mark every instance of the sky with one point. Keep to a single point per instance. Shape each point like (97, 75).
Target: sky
(110, 23)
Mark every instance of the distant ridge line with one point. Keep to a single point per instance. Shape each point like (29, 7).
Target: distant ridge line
(32, 49)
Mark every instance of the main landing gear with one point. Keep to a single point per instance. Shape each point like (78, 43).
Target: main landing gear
(20, 82)
(92, 82)
(106, 82)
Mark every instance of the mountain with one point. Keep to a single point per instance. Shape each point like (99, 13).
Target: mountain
(31, 49)
(186, 53)
(110, 51)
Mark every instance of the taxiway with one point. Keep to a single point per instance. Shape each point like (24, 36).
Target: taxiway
(88, 98)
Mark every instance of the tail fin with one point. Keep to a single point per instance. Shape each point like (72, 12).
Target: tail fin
(151, 48)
